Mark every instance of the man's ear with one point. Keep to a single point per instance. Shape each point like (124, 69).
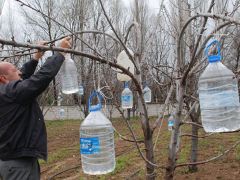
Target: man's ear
(3, 79)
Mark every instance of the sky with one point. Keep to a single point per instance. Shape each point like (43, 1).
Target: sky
(153, 4)
(10, 13)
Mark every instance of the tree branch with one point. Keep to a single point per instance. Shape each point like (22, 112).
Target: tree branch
(211, 159)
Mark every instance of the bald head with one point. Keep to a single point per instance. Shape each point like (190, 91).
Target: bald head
(8, 72)
(4, 67)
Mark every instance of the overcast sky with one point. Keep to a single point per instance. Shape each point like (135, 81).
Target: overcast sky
(153, 4)
(10, 13)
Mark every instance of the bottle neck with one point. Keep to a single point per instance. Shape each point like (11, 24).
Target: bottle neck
(67, 56)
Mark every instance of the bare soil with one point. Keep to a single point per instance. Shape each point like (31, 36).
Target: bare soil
(64, 157)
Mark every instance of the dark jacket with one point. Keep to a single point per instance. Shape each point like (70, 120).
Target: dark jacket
(22, 127)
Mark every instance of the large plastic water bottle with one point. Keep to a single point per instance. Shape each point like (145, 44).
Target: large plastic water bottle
(127, 97)
(97, 141)
(147, 94)
(218, 95)
(69, 76)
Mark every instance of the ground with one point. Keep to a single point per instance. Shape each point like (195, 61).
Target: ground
(64, 158)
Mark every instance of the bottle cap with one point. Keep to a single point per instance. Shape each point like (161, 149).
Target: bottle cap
(126, 84)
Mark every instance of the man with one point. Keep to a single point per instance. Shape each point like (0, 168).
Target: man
(23, 138)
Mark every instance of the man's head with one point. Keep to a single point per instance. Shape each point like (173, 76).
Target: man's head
(8, 72)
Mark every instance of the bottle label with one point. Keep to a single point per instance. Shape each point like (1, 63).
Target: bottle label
(170, 123)
(89, 145)
(126, 100)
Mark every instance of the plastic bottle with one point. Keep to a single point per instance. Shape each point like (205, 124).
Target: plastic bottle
(81, 90)
(69, 76)
(218, 95)
(147, 94)
(61, 113)
(59, 99)
(171, 122)
(127, 97)
(124, 61)
(97, 141)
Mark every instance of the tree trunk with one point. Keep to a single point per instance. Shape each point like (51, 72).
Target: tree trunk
(173, 145)
(150, 156)
(194, 148)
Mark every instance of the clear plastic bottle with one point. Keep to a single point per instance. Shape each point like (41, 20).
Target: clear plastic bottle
(59, 99)
(147, 94)
(127, 97)
(81, 90)
(61, 113)
(69, 76)
(171, 122)
(218, 95)
(97, 141)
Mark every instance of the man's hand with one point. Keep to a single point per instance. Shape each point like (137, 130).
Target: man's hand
(39, 53)
(66, 43)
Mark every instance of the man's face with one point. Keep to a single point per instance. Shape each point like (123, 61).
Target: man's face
(9, 72)
(13, 73)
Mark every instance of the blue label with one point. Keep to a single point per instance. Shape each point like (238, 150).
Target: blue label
(126, 100)
(89, 145)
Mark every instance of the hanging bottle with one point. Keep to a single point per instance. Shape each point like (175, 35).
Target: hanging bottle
(61, 113)
(81, 90)
(69, 76)
(127, 97)
(218, 95)
(124, 61)
(171, 121)
(59, 99)
(97, 141)
(147, 94)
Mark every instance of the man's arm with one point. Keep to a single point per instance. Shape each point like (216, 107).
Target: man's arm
(29, 67)
(23, 91)
(30, 88)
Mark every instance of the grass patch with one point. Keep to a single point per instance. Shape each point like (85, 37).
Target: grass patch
(121, 163)
(55, 123)
(238, 153)
(204, 143)
(184, 154)
(60, 154)
(56, 156)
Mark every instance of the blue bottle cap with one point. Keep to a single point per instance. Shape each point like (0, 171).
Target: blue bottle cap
(214, 58)
(126, 84)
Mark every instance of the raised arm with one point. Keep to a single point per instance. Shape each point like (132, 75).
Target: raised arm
(26, 90)
(29, 67)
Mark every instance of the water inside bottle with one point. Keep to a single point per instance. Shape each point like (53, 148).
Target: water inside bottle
(98, 156)
(147, 94)
(69, 76)
(219, 104)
